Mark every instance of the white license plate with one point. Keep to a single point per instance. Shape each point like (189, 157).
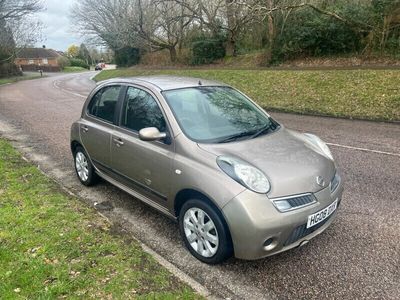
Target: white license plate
(318, 217)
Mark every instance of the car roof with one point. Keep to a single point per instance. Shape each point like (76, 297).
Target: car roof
(166, 82)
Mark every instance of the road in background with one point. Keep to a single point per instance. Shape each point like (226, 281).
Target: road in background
(357, 257)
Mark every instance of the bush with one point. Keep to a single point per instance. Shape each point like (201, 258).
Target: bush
(127, 56)
(207, 51)
(308, 33)
(76, 62)
(63, 62)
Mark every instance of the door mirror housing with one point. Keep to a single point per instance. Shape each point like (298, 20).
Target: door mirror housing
(151, 134)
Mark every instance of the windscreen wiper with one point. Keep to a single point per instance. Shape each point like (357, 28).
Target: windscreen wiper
(236, 136)
(267, 128)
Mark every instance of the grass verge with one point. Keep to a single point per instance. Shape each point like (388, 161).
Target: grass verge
(74, 69)
(53, 246)
(19, 78)
(360, 94)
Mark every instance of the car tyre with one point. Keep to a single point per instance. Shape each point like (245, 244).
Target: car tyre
(204, 232)
(84, 168)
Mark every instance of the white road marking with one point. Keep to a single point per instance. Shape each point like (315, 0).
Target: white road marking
(55, 84)
(364, 149)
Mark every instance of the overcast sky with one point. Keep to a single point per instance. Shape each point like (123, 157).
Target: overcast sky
(57, 31)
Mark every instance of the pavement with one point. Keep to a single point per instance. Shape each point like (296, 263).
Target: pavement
(357, 257)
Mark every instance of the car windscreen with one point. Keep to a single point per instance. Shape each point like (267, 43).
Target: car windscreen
(216, 114)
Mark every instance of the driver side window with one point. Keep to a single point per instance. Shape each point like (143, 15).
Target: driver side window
(141, 110)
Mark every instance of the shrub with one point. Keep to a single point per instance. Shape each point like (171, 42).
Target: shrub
(63, 62)
(127, 56)
(76, 62)
(207, 51)
(308, 33)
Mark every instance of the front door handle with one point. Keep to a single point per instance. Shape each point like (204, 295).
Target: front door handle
(85, 128)
(118, 142)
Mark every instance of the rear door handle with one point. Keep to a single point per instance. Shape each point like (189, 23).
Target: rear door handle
(85, 128)
(118, 142)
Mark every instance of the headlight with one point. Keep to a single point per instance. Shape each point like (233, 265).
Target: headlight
(320, 144)
(247, 175)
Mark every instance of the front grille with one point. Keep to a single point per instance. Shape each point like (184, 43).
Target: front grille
(302, 231)
(301, 200)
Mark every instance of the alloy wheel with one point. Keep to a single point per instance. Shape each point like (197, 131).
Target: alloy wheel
(201, 232)
(82, 166)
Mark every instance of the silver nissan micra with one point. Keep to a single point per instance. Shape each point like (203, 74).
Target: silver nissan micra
(201, 152)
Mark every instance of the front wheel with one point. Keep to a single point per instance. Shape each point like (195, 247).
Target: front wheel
(84, 168)
(204, 232)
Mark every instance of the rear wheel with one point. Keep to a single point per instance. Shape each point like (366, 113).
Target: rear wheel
(84, 168)
(204, 232)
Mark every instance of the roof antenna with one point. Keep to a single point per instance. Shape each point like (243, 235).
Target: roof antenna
(200, 82)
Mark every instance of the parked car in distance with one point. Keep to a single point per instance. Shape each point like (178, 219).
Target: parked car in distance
(98, 67)
(201, 152)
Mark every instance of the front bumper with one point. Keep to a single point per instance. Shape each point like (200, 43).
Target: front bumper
(253, 220)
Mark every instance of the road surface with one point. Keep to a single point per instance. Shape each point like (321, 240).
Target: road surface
(357, 257)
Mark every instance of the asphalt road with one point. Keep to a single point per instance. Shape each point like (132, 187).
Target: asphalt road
(357, 257)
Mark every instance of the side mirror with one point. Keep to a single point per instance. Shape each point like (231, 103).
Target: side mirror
(151, 134)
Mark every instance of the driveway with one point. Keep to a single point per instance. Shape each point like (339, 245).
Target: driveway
(357, 257)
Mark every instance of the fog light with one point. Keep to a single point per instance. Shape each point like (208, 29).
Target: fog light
(282, 205)
(270, 244)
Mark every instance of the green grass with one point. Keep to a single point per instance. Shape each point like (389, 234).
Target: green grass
(361, 94)
(73, 69)
(18, 78)
(54, 246)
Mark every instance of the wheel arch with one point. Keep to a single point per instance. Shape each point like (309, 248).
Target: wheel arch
(186, 194)
(75, 144)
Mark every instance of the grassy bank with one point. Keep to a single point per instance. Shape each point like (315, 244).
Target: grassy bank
(53, 246)
(74, 69)
(18, 78)
(363, 94)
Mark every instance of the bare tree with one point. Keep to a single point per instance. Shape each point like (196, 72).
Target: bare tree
(162, 25)
(107, 22)
(18, 9)
(18, 28)
(151, 24)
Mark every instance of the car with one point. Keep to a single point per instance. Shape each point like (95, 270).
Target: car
(236, 180)
(98, 67)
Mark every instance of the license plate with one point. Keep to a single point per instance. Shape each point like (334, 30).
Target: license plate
(318, 217)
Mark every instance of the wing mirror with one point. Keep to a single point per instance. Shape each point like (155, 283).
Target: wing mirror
(151, 134)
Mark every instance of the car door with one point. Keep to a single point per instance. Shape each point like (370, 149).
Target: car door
(98, 124)
(144, 166)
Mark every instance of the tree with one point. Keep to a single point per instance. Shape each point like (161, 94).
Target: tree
(229, 17)
(18, 9)
(84, 54)
(107, 23)
(162, 26)
(73, 51)
(17, 27)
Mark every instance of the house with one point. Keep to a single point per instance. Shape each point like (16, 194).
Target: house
(33, 59)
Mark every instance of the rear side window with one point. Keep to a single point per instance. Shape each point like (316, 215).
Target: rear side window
(104, 102)
(141, 110)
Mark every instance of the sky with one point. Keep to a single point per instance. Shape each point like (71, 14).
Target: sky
(57, 32)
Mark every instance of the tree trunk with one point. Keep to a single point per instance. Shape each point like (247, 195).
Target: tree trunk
(270, 33)
(172, 54)
(230, 46)
(230, 43)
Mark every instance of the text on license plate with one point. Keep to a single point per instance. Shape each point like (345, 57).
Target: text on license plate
(321, 215)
